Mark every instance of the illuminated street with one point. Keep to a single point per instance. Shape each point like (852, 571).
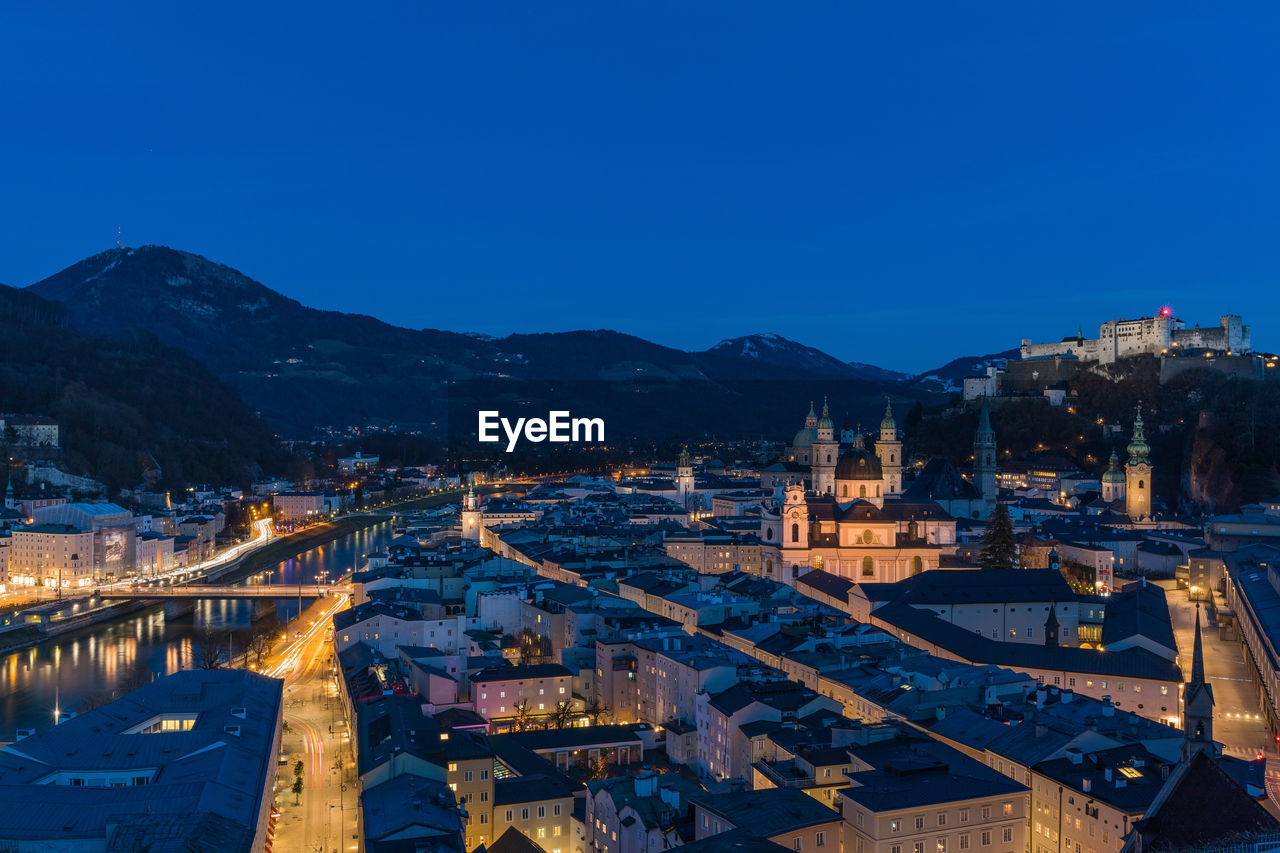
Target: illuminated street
(316, 735)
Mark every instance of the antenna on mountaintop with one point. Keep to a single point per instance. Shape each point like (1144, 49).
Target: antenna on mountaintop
(119, 239)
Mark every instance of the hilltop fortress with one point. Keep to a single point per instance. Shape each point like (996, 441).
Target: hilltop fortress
(1162, 334)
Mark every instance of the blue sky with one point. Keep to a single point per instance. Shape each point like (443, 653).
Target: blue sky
(892, 185)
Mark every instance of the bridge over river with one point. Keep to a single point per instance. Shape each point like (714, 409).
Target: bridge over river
(309, 590)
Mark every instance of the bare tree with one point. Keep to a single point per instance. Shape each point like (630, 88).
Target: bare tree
(207, 650)
(259, 643)
(597, 711)
(523, 718)
(96, 699)
(534, 647)
(598, 769)
(562, 716)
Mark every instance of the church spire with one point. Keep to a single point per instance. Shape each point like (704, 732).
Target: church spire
(1197, 655)
(1197, 704)
(984, 417)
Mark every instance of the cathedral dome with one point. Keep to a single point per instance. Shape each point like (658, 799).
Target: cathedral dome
(804, 438)
(858, 464)
(1113, 474)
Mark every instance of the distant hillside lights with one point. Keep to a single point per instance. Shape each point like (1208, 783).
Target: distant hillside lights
(559, 427)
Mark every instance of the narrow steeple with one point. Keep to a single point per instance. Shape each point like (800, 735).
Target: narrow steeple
(1197, 655)
(1197, 704)
(984, 417)
(1051, 627)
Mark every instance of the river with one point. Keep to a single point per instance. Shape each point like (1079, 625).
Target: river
(62, 674)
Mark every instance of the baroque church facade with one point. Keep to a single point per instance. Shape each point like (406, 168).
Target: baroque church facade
(842, 506)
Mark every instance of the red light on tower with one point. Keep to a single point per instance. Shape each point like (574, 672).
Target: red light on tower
(1166, 311)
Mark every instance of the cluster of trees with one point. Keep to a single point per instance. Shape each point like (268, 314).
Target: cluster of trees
(561, 717)
(120, 401)
(212, 649)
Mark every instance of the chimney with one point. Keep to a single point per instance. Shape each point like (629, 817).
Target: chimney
(1106, 773)
(1087, 785)
(1067, 696)
(1108, 710)
(1075, 756)
(646, 784)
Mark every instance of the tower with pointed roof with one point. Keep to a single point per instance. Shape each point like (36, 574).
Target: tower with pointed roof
(889, 450)
(9, 501)
(1197, 704)
(984, 460)
(471, 515)
(1051, 626)
(1113, 480)
(684, 478)
(1137, 474)
(826, 452)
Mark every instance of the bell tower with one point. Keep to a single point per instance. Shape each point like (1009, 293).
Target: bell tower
(795, 518)
(471, 515)
(684, 478)
(1137, 474)
(889, 450)
(826, 452)
(984, 460)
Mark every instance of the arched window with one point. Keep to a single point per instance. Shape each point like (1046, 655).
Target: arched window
(916, 565)
(768, 533)
(828, 458)
(877, 490)
(862, 491)
(844, 490)
(795, 533)
(1142, 484)
(891, 459)
(768, 566)
(868, 567)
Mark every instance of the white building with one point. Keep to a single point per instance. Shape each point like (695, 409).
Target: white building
(1156, 335)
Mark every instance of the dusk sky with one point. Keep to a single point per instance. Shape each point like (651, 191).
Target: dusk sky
(893, 183)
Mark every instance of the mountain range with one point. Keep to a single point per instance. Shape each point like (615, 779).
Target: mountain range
(303, 368)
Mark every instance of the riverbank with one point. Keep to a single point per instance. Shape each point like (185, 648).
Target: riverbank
(92, 615)
(295, 544)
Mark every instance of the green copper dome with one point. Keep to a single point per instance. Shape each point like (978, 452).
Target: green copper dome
(1113, 474)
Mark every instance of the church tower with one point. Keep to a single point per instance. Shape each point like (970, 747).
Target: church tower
(1197, 704)
(684, 478)
(795, 518)
(984, 461)
(1051, 627)
(826, 452)
(1137, 474)
(9, 501)
(471, 515)
(1113, 481)
(889, 449)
